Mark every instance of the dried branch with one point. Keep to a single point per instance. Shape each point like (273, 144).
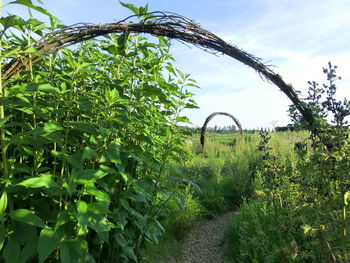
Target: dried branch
(166, 24)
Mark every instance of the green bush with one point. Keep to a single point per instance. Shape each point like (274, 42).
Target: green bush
(299, 212)
(84, 172)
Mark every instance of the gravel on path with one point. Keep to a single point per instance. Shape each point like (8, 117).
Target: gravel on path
(205, 241)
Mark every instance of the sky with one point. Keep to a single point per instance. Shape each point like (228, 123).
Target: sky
(297, 37)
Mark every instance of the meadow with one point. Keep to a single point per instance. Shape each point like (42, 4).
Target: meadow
(282, 215)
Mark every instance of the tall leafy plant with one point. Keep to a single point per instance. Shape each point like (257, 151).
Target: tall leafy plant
(87, 137)
(313, 193)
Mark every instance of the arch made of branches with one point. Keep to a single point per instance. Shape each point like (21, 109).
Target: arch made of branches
(166, 24)
(210, 117)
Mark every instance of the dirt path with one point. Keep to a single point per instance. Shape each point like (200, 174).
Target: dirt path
(204, 243)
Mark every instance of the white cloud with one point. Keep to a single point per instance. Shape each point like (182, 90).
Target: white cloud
(298, 37)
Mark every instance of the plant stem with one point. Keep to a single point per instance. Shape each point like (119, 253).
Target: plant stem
(2, 115)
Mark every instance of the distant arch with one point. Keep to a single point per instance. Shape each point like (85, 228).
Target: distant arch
(210, 117)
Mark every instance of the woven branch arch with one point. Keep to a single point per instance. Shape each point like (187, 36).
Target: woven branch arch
(166, 24)
(210, 117)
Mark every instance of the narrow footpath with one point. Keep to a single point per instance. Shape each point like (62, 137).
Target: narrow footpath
(205, 242)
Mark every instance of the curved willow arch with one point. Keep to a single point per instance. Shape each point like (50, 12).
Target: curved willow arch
(210, 117)
(157, 23)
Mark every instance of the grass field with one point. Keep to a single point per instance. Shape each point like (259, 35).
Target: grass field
(283, 214)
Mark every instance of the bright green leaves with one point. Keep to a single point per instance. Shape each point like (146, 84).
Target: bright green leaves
(112, 96)
(346, 197)
(40, 87)
(12, 21)
(134, 9)
(90, 133)
(93, 216)
(82, 209)
(51, 127)
(97, 194)
(3, 202)
(89, 177)
(44, 180)
(28, 217)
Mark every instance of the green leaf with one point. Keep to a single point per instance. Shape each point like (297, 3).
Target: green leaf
(143, 10)
(112, 153)
(131, 7)
(3, 234)
(171, 69)
(182, 119)
(23, 233)
(88, 154)
(28, 217)
(28, 3)
(129, 252)
(62, 218)
(44, 87)
(12, 21)
(113, 50)
(12, 252)
(50, 127)
(82, 207)
(26, 110)
(120, 217)
(89, 176)
(75, 160)
(100, 224)
(98, 194)
(30, 50)
(82, 217)
(85, 127)
(112, 96)
(119, 237)
(73, 251)
(4, 120)
(125, 176)
(48, 241)
(44, 180)
(122, 41)
(191, 106)
(346, 196)
(100, 208)
(28, 251)
(55, 22)
(3, 202)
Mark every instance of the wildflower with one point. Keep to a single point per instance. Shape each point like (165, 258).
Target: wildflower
(260, 147)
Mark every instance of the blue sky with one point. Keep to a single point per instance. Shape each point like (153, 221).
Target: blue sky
(298, 37)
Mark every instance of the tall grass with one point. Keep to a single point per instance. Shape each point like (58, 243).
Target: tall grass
(289, 218)
(216, 180)
(226, 176)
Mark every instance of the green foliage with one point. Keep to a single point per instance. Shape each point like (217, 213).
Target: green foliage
(87, 137)
(224, 173)
(213, 182)
(300, 211)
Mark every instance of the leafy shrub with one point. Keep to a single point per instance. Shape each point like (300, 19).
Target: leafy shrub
(300, 213)
(84, 170)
